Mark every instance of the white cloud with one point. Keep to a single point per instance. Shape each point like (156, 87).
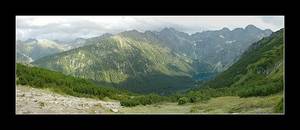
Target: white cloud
(70, 27)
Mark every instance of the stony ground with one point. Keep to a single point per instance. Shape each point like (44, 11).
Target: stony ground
(38, 101)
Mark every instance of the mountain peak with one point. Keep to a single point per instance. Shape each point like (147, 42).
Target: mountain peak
(225, 29)
(135, 32)
(268, 30)
(251, 27)
(171, 30)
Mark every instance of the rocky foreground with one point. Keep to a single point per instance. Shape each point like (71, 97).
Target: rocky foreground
(38, 101)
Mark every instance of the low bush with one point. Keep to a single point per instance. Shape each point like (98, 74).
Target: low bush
(143, 100)
(260, 90)
(183, 100)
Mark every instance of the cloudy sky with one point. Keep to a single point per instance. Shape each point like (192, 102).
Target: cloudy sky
(70, 27)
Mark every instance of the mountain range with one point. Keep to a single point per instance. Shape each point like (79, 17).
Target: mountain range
(161, 62)
(252, 84)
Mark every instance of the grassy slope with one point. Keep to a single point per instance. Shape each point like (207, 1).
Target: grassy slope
(227, 104)
(58, 82)
(262, 62)
(259, 71)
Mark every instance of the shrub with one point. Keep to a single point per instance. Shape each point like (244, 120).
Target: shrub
(129, 102)
(143, 100)
(183, 100)
(261, 90)
(193, 99)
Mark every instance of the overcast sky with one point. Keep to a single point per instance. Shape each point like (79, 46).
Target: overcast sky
(70, 27)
